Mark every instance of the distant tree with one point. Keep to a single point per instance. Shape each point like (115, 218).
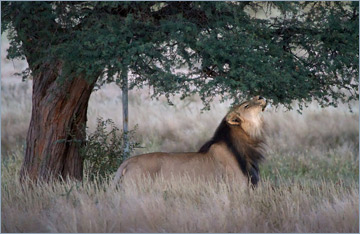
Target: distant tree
(307, 50)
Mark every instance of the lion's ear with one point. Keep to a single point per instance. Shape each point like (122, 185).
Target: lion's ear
(233, 118)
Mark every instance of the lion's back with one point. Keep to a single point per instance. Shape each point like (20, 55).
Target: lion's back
(167, 165)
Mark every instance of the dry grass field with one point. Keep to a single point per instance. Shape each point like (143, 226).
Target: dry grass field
(309, 180)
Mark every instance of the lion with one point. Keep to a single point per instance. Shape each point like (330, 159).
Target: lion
(234, 151)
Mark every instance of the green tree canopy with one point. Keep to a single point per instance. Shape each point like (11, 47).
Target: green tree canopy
(302, 51)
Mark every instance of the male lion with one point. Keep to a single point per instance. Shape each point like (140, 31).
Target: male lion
(233, 152)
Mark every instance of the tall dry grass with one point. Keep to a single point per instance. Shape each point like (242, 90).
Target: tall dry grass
(309, 179)
(177, 205)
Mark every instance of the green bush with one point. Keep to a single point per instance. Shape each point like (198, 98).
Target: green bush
(103, 151)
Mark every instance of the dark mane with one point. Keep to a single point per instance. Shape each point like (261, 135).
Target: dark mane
(244, 149)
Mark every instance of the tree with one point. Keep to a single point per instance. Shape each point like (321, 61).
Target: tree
(306, 51)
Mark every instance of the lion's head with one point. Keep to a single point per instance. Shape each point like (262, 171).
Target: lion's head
(248, 116)
(241, 130)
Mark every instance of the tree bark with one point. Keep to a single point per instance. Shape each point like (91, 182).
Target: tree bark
(57, 126)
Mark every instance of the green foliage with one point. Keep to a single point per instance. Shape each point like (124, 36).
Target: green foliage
(103, 152)
(303, 51)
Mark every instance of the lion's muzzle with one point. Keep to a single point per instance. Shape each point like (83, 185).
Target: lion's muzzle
(261, 101)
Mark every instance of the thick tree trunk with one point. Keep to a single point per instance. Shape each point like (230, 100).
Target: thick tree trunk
(57, 126)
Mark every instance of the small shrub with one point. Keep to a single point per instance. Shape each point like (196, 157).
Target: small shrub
(103, 151)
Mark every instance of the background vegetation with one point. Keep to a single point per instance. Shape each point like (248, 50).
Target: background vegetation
(309, 181)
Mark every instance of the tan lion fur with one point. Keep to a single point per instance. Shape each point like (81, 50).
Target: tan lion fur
(233, 152)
